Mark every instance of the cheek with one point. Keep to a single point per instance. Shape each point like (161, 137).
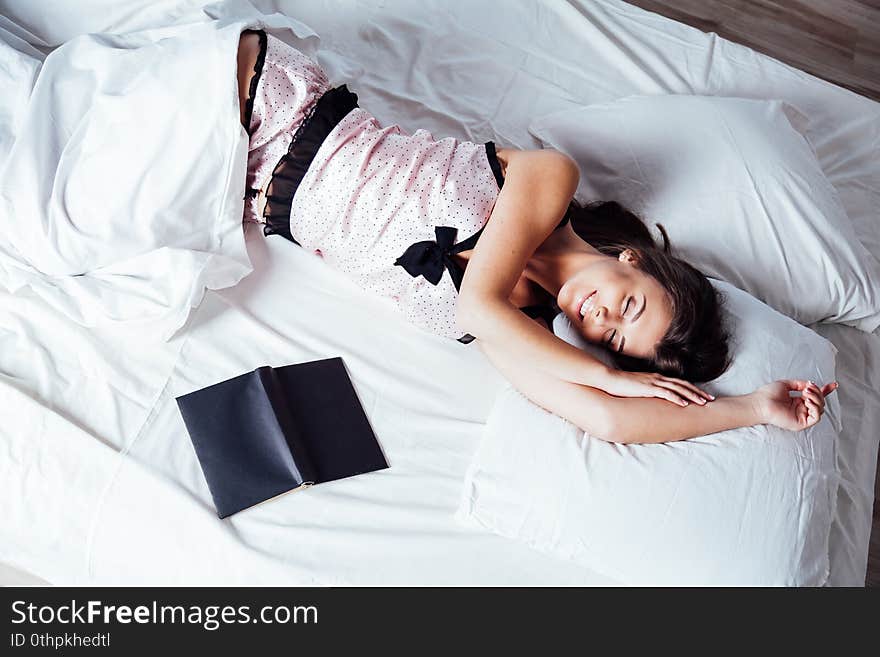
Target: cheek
(591, 333)
(627, 279)
(614, 282)
(599, 275)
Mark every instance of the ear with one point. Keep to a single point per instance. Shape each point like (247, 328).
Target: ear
(628, 256)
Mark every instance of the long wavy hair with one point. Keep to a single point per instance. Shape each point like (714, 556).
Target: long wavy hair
(696, 345)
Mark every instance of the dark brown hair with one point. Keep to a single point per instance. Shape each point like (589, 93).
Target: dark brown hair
(695, 346)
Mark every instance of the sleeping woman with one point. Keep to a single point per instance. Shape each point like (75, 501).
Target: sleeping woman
(485, 244)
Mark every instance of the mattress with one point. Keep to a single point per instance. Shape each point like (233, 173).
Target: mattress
(112, 492)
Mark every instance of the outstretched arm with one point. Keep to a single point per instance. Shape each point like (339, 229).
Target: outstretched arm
(634, 420)
(537, 191)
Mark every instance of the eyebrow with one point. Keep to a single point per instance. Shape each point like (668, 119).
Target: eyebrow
(622, 342)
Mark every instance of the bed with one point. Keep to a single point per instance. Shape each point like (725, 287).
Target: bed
(111, 492)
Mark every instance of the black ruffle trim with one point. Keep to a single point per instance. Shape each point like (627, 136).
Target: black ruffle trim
(255, 79)
(319, 122)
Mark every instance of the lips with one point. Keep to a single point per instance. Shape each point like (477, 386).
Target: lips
(585, 304)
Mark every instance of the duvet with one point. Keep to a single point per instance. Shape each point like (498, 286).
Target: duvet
(121, 196)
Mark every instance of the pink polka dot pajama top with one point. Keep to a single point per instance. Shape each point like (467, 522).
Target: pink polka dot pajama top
(387, 208)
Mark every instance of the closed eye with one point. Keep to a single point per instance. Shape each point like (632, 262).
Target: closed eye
(626, 306)
(610, 341)
(640, 310)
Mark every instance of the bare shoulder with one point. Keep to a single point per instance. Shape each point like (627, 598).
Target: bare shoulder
(248, 53)
(504, 155)
(539, 158)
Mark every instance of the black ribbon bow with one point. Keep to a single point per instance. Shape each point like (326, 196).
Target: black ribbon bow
(430, 257)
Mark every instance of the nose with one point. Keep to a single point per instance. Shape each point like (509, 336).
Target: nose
(600, 316)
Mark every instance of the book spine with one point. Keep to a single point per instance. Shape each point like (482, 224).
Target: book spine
(305, 470)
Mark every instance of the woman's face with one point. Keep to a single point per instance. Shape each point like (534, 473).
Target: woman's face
(615, 304)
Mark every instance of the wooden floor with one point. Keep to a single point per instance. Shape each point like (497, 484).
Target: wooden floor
(837, 40)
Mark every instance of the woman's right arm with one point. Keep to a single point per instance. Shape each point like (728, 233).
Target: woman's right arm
(537, 190)
(536, 193)
(638, 420)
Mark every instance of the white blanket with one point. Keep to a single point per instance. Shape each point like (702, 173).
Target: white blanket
(121, 198)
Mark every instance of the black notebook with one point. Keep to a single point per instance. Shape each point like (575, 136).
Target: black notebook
(274, 430)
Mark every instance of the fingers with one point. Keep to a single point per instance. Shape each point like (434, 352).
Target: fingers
(802, 414)
(681, 391)
(685, 389)
(669, 395)
(813, 414)
(813, 403)
(795, 384)
(814, 395)
(802, 384)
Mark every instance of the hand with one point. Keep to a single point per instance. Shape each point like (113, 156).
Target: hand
(649, 384)
(777, 407)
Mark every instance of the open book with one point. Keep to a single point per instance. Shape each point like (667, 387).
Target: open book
(273, 430)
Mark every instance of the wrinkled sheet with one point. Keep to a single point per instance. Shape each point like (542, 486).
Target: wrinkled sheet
(102, 483)
(120, 199)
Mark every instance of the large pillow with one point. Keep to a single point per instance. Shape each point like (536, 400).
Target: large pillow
(750, 506)
(739, 191)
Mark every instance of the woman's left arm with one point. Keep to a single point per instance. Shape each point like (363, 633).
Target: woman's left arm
(634, 420)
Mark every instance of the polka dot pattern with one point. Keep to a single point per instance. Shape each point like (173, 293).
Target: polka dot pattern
(372, 191)
(290, 84)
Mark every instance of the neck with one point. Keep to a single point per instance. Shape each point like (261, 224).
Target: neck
(562, 255)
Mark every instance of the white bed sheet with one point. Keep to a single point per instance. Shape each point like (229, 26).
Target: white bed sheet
(858, 371)
(103, 484)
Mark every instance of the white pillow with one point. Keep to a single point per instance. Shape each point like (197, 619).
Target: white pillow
(737, 188)
(750, 506)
